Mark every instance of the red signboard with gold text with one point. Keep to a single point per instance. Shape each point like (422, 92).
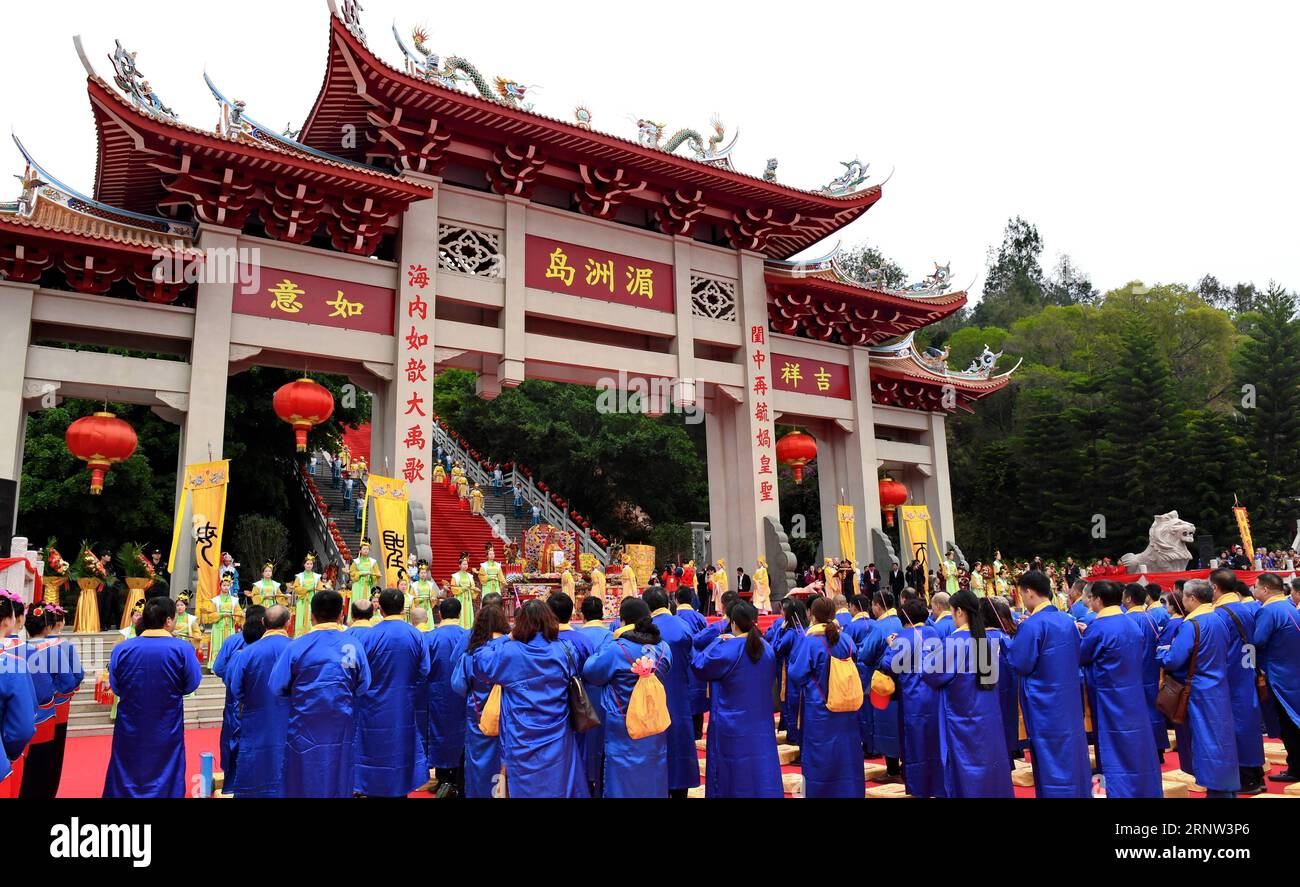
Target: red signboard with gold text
(306, 298)
(808, 376)
(594, 274)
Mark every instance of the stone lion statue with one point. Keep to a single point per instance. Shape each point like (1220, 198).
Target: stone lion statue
(1167, 550)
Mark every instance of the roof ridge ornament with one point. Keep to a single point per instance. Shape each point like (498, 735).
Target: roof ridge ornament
(425, 64)
(933, 284)
(650, 134)
(855, 173)
(131, 81)
(350, 15)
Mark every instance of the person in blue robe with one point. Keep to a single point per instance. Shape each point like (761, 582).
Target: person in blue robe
(263, 713)
(538, 744)
(831, 752)
(68, 676)
(390, 761)
(323, 673)
(39, 774)
(999, 625)
(785, 634)
(683, 757)
(17, 699)
(918, 703)
(941, 613)
(1045, 654)
(363, 613)
(581, 647)
(151, 675)
(699, 691)
(230, 716)
(740, 756)
(714, 630)
(1239, 618)
(1209, 724)
(843, 616)
(1277, 649)
(482, 752)
(1155, 606)
(860, 631)
(594, 628)
(634, 768)
(886, 722)
(445, 710)
(1135, 604)
(1112, 650)
(964, 672)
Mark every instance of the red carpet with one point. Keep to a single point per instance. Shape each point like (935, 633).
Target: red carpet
(454, 530)
(86, 761)
(358, 441)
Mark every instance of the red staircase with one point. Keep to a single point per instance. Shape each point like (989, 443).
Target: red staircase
(455, 530)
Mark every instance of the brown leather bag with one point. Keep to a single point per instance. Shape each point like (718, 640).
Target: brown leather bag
(1173, 696)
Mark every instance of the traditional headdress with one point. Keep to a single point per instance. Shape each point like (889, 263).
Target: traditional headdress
(139, 605)
(422, 565)
(182, 598)
(268, 566)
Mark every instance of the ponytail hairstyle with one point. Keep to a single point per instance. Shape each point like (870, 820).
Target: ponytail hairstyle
(795, 612)
(744, 620)
(996, 613)
(635, 611)
(968, 603)
(823, 612)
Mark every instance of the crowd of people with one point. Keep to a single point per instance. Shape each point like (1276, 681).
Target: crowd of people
(951, 689)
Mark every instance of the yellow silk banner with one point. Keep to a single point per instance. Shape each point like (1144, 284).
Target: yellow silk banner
(848, 545)
(205, 488)
(390, 504)
(918, 533)
(1243, 525)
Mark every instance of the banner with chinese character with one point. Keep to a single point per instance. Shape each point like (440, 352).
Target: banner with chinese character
(390, 504)
(1243, 525)
(306, 298)
(807, 376)
(918, 535)
(848, 543)
(205, 490)
(595, 274)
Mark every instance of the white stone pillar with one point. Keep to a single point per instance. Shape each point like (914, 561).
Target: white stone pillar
(510, 368)
(15, 336)
(685, 392)
(938, 490)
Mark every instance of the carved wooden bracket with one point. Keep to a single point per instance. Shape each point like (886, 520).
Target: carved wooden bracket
(515, 170)
(751, 230)
(679, 210)
(292, 212)
(218, 195)
(603, 189)
(417, 146)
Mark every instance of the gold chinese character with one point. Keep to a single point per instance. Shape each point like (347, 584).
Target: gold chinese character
(600, 273)
(791, 374)
(343, 308)
(641, 282)
(560, 267)
(286, 294)
(823, 379)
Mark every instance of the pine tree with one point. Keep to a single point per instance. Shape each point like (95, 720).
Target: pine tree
(1215, 461)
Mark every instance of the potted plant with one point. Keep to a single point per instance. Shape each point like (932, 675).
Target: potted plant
(139, 574)
(89, 576)
(55, 573)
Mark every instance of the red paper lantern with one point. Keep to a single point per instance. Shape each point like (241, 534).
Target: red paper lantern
(892, 495)
(304, 404)
(101, 441)
(796, 450)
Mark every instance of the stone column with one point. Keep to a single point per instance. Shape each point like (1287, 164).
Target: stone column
(510, 368)
(15, 336)
(685, 391)
(938, 491)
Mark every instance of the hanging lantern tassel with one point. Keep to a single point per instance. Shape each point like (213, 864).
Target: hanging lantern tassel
(796, 450)
(101, 441)
(892, 495)
(304, 404)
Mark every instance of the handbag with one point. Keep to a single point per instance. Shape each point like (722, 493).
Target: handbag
(1261, 682)
(582, 714)
(1174, 695)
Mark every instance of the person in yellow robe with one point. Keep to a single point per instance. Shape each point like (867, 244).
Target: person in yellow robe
(567, 584)
(830, 578)
(187, 624)
(719, 586)
(266, 591)
(439, 473)
(465, 589)
(597, 578)
(462, 488)
(762, 588)
(366, 573)
(627, 579)
(476, 500)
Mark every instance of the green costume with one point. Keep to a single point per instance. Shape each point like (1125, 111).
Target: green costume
(425, 593)
(266, 592)
(226, 607)
(365, 574)
(491, 577)
(462, 585)
(950, 576)
(305, 585)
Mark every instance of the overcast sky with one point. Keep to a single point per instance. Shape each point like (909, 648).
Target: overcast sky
(1153, 140)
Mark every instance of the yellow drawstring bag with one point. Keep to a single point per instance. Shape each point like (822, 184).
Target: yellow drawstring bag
(843, 685)
(647, 710)
(489, 719)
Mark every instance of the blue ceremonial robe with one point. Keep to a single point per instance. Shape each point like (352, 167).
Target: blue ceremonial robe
(593, 741)
(581, 647)
(1151, 674)
(1112, 650)
(683, 757)
(323, 673)
(150, 674)
(634, 768)
(784, 644)
(1161, 616)
(843, 618)
(390, 760)
(1182, 732)
(1079, 610)
(538, 746)
(17, 710)
(263, 720)
(230, 711)
(1241, 683)
(1277, 647)
(1045, 653)
(1008, 692)
(860, 631)
(740, 757)
(699, 690)
(972, 752)
(944, 626)
(887, 724)
(445, 730)
(1209, 728)
(482, 753)
(831, 753)
(919, 707)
